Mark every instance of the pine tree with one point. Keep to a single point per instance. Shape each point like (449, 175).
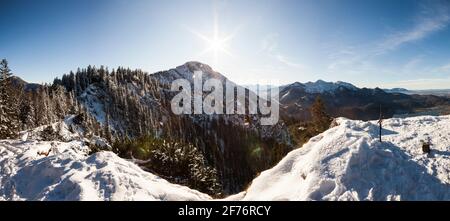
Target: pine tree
(320, 119)
(26, 113)
(106, 127)
(8, 115)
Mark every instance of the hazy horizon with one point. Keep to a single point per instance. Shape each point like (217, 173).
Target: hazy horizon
(386, 44)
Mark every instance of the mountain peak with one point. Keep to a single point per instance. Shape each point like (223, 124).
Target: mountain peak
(320, 81)
(187, 70)
(197, 66)
(321, 86)
(297, 84)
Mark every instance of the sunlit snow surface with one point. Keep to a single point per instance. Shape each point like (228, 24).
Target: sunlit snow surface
(68, 173)
(348, 162)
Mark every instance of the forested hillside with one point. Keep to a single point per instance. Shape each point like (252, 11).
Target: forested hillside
(131, 110)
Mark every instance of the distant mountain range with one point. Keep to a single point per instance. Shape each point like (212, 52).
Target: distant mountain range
(346, 100)
(342, 98)
(321, 86)
(437, 92)
(397, 90)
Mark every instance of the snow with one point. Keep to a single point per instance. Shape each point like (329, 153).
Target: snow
(287, 94)
(347, 162)
(66, 131)
(321, 86)
(69, 173)
(91, 98)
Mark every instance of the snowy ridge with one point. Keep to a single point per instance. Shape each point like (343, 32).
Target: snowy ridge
(347, 162)
(186, 71)
(65, 130)
(63, 170)
(68, 173)
(321, 86)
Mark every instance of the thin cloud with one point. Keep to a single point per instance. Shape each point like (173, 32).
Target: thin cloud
(269, 46)
(413, 63)
(287, 61)
(444, 68)
(269, 43)
(432, 19)
(354, 61)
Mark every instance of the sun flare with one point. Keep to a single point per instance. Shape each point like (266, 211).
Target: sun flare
(217, 44)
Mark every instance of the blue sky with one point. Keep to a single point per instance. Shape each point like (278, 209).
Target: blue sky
(384, 43)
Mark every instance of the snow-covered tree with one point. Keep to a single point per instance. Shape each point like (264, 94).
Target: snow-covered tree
(26, 112)
(8, 105)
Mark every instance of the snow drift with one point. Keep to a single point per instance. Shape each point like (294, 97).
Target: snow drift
(43, 170)
(348, 162)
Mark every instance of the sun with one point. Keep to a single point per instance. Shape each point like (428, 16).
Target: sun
(217, 44)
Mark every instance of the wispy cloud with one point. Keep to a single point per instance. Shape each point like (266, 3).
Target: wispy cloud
(283, 59)
(430, 20)
(269, 43)
(269, 46)
(412, 63)
(445, 69)
(365, 59)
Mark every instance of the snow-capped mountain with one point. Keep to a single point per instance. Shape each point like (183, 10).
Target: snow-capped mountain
(132, 103)
(186, 71)
(398, 90)
(321, 86)
(129, 112)
(346, 100)
(317, 87)
(347, 162)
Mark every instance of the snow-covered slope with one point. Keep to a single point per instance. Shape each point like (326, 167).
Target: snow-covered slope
(321, 86)
(347, 162)
(43, 170)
